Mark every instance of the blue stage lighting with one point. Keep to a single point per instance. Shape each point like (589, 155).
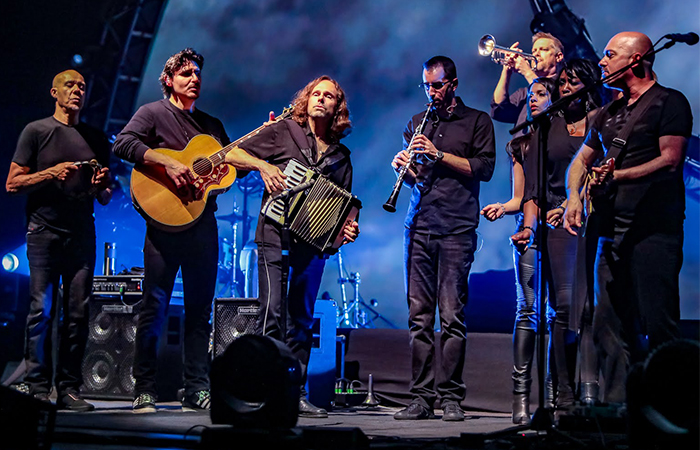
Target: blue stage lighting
(15, 261)
(10, 262)
(77, 60)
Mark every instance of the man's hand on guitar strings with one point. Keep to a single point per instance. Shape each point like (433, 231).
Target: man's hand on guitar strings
(179, 173)
(602, 178)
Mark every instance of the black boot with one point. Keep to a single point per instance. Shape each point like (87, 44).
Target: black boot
(564, 351)
(523, 350)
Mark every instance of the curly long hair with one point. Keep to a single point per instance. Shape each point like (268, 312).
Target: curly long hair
(341, 126)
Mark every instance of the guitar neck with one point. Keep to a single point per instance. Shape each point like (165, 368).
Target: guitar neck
(220, 156)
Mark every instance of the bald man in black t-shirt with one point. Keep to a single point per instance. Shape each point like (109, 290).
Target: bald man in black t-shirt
(640, 251)
(62, 165)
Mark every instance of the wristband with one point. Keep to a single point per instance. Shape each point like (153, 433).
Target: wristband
(527, 227)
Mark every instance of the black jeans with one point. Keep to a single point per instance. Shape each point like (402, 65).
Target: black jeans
(305, 273)
(437, 273)
(56, 257)
(196, 252)
(637, 302)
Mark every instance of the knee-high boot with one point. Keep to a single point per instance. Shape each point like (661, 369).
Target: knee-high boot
(523, 351)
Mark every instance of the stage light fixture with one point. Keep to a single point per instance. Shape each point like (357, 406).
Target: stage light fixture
(77, 60)
(14, 261)
(10, 262)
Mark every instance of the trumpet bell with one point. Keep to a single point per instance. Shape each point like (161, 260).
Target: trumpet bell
(502, 55)
(486, 45)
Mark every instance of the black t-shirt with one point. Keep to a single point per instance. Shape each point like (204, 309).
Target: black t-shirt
(561, 148)
(655, 202)
(276, 145)
(444, 202)
(62, 206)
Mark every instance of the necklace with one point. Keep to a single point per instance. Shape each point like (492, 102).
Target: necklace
(573, 128)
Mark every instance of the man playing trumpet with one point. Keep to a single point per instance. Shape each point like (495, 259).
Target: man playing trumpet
(549, 54)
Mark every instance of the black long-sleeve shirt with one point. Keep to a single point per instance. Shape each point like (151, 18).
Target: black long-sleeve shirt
(443, 201)
(163, 125)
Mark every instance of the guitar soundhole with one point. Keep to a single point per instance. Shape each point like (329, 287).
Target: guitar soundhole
(202, 167)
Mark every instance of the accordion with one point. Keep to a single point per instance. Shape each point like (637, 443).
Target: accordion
(318, 214)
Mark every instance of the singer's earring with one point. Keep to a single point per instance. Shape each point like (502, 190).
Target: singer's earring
(588, 106)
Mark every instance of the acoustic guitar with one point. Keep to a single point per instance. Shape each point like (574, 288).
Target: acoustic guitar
(158, 200)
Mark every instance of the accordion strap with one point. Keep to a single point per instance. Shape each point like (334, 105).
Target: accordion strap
(301, 139)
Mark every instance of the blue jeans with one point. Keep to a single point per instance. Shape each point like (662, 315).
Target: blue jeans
(55, 258)
(437, 275)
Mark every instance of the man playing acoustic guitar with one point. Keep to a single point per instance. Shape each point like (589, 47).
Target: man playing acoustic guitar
(171, 123)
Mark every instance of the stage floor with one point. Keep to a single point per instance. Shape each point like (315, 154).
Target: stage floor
(114, 426)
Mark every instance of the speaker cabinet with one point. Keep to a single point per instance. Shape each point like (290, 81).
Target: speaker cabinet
(322, 362)
(109, 355)
(233, 318)
(236, 317)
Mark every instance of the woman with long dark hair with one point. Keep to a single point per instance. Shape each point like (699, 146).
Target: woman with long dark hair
(540, 94)
(566, 134)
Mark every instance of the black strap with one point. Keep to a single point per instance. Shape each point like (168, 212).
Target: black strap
(620, 141)
(301, 140)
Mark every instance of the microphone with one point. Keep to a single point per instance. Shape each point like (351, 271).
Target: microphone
(295, 190)
(686, 38)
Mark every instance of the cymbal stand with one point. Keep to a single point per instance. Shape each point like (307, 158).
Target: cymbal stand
(355, 313)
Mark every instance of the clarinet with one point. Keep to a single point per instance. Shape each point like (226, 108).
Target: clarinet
(390, 204)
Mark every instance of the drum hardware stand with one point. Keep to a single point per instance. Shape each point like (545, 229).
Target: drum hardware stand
(354, 314)
(232, 268)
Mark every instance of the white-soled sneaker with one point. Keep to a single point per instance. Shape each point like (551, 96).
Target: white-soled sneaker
(197, 401)
(144, 403)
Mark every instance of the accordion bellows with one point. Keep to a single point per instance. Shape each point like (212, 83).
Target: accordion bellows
(317, 215)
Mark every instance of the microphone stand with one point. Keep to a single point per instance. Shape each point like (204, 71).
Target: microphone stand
(542, 420)
(285, 247)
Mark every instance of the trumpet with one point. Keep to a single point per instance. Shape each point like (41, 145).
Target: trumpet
(500, 54)
(390, 204)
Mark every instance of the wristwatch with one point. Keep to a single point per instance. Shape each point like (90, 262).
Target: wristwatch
(438, 156)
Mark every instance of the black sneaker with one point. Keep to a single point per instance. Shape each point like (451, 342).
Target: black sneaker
(43, 396)
(197, 401)
(414, 411)
(452, 413)
(144, 403)
(72, 401)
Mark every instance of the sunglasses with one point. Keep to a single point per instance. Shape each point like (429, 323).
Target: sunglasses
(436, 85)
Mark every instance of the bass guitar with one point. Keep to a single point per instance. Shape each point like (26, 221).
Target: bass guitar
(158, 200)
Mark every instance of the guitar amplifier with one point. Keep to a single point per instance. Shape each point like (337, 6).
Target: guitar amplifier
(233, 317)
(128, 285)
